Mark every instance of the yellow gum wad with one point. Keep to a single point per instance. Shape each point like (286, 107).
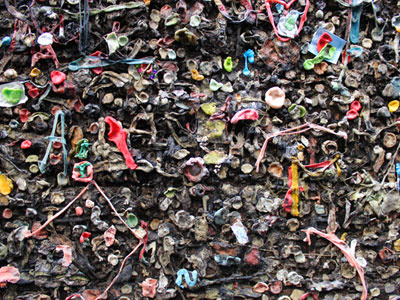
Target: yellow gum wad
(6, 185)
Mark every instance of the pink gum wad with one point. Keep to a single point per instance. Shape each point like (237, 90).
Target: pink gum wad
(118, 135)
(46, 52)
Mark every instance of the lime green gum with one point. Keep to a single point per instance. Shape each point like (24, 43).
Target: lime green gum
(12, 95)
(228, 65)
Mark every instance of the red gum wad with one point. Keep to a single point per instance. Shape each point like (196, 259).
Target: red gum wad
(118, 136)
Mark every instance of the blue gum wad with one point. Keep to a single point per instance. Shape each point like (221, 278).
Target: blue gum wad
(185, 273)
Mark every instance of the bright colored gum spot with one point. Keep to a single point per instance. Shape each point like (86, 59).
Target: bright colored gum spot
(12, 95)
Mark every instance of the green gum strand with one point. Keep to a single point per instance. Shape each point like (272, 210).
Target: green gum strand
(326, 52)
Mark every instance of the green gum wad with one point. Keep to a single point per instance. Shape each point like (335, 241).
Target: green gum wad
(215, 85)
(170, 192)
(172, 19)
(123, 40)
(186, 37)
(209, 108)
(228, 64)
(112, 42)
(290, 23)
(3, 251)
(214, 158)
(195, 21)
(12, 95)
(215, 128)
(297, 111)
(132, 220)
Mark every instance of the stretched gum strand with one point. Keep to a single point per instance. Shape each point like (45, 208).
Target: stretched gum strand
(141, 240)
(325, 53)
(346, 250)
(270, 136)
(246, 70)
(224, 12)
(287, 6)
(90, 62)
(289, 203)
(52, 138)
(295, 190)
(289, 132)
(58, 214)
